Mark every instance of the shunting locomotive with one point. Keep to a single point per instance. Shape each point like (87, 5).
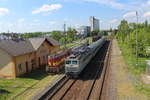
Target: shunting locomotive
(56, 61)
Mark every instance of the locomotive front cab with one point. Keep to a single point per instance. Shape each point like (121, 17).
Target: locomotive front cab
(71, 67)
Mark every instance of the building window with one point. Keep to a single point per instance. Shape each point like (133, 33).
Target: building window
(20, 67)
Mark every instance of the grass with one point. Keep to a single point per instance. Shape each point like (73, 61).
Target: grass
(9, 88)
(131, 60)
(136, 70)
(36, 88)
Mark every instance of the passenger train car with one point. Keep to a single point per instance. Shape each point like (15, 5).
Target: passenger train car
(77, 61)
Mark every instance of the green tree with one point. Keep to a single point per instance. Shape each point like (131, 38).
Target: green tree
(123, 30)
(95, 32)
(146, 24)
(57, 35)
(34, 34)
(71, 34)
(126, 30)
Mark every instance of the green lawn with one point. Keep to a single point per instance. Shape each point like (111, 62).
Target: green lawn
(136, 69)
(9, 88)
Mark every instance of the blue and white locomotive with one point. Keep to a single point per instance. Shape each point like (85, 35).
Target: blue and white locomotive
(80, 57)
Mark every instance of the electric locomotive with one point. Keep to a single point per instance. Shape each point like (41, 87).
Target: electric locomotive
(77, 61)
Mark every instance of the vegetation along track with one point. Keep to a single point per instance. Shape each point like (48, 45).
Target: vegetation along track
(89, 85)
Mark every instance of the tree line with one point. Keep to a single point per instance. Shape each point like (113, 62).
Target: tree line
(63, 37)
(127, 35)
(34, 34)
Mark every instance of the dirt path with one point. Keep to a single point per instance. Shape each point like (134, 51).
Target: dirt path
(121, 82)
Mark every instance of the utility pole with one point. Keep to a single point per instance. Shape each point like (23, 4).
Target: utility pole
(110, 26)
(65, 34)
(100, 31)
(137, 38)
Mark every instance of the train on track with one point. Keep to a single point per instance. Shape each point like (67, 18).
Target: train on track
(56, 61)
(95, 38)
(80, 57)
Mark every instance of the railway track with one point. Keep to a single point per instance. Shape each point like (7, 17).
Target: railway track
(89, 85)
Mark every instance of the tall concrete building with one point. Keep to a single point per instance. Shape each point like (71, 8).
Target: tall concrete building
(94, 23)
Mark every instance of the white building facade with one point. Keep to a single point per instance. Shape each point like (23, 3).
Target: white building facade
(94, 23)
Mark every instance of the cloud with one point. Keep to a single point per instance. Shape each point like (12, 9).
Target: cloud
(113, 21)
(110, 3)
(21, 20)
(52, 23)
(35, 24)
(129, 14)
(129, 5)
(36, 20)
(145, 6)
(147, 14)
(10, 25)
(3, 1)
(148, 2)
(4, 11)
(47, 8)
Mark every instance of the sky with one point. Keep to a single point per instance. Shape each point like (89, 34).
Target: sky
(47, 15)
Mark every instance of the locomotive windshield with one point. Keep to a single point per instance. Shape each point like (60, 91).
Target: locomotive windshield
(68, 62)
(74, 62)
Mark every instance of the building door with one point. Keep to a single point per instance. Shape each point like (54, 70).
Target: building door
(46, 59)
(32, 63)
(39, 61)
(27, 67)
